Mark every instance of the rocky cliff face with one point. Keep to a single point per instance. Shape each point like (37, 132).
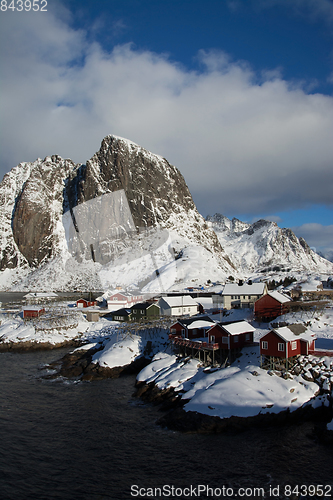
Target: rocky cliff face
(53, 210)
(37, 209)
(154, 188)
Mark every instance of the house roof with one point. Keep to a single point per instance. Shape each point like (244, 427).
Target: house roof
(121, 312)
(246, 289)
(280, 297)
(143, 305)
(237, 327)
(288, 336)
(200, 323)
(179, 301)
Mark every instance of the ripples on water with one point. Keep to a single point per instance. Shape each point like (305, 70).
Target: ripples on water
(92, 441)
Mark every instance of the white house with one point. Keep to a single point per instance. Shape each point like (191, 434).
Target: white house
(183, 305)
(239, 295)
(121, 300)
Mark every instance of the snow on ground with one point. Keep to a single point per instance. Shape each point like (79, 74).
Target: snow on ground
(59, 324)
(243, 389)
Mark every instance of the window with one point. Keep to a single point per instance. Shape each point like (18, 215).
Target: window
(235, 339)
(142, 312)
(294, 345)
(247, 336)
(264, 345)
(281, 347)
(173, 330)
(224, 340)
(212, 339)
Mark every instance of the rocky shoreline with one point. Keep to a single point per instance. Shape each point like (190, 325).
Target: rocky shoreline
(36, 346)
(177, 419)
(78, 364)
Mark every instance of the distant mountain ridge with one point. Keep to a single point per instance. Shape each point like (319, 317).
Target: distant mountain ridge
(263, 245)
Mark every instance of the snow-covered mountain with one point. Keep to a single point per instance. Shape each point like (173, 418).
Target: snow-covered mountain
(263, 246)
(125, 218)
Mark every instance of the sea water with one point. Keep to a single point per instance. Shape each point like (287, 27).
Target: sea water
(73, 440)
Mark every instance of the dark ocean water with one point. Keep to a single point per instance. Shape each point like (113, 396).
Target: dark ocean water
(93, 441)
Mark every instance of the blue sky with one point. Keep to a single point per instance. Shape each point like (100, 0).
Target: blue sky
(237, 94)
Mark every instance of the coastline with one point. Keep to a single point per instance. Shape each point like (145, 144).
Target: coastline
(170, 383)
(78, 364)
(37, 346)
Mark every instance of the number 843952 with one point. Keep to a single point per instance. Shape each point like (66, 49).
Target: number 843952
(26, 5)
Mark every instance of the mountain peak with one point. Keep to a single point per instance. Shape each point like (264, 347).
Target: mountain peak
(53, 203)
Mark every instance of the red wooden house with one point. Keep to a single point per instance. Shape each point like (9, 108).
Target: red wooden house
(192, 328)
(271, 305)
(32, 311)
(283, 343)
(231, 336)
(86, 303)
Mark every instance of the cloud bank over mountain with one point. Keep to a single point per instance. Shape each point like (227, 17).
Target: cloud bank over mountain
(244, 141)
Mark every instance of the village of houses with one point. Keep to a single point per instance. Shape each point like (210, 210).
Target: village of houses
(201, 324)
(276, 331)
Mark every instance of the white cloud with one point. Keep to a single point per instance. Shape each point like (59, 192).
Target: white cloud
(245, 143)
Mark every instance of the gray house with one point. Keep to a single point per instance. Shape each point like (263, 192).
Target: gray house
(239, 295)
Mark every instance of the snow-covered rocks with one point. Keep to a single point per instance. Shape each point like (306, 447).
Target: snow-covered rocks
(314, 369)
(242, 389)
(119, 352)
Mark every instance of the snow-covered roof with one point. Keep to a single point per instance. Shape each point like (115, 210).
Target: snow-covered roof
(143, 305)
(180, 301)
(246, 289)
(238, 327)
(280, 297)
(201, 324)
(286, 334)
(121, 312)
